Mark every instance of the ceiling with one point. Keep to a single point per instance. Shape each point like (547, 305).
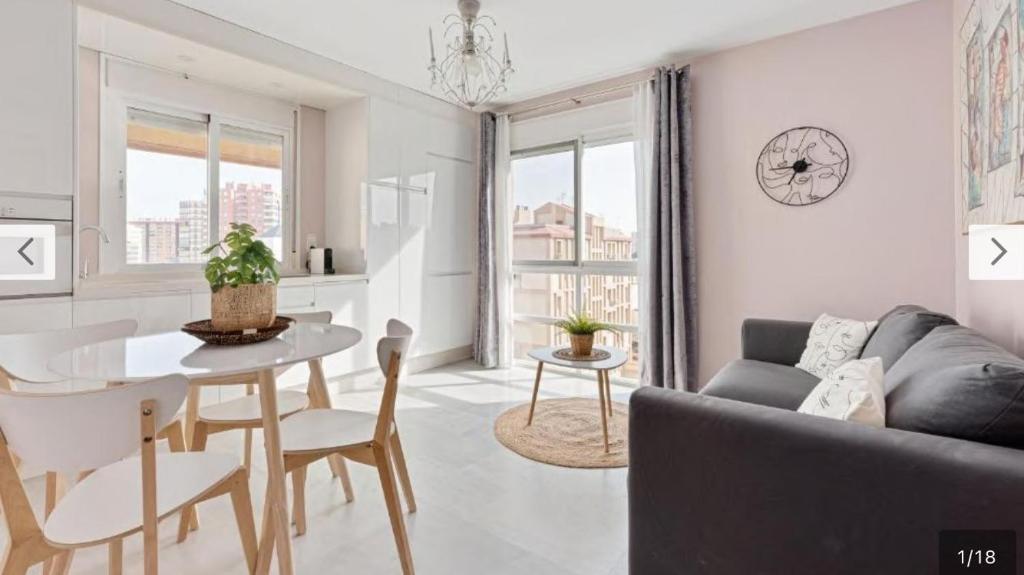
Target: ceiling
(111, 35)
(554, 44)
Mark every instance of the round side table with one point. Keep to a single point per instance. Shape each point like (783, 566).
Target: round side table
(616, 359)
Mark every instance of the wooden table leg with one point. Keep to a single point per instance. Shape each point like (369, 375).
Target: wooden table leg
(321, 399)
(536, 388)
(277, 492)
(608, 393)
(604, 414)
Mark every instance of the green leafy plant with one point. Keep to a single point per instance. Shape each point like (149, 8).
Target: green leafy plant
(581, 324)
(245, 260)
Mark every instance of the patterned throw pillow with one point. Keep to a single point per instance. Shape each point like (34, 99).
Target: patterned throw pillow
(854, 392)
(833, 341)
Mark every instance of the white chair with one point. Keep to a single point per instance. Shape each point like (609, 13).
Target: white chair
(245, 413)
(364, 438)
(24, 358)
(100, 430)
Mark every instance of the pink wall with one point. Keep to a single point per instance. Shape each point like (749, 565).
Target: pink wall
(881, 82)
(994, 308)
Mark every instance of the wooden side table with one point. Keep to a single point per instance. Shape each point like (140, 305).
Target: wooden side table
(616, 359)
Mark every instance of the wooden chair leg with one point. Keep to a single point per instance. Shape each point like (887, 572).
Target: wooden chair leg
(403, 471)
(299, 500)
(15, 563)
(265, 555)
(536, 388)
(199, 436)
(242, 503)
(320, 398)
(175, 434)
(382, 459)
(115, 557)
(150, 544)
(54, 491)
(340, 470)
(247, 455)
(62, 563)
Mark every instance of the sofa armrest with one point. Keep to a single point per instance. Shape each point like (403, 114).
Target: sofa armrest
(774, 341)
(723, 487)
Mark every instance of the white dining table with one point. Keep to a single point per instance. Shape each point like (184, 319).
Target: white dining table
(145, 357)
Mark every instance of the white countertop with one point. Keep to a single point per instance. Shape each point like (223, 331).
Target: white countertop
(129, 285)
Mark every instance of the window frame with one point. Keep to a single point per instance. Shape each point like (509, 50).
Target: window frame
(578, 266)
(114, 107)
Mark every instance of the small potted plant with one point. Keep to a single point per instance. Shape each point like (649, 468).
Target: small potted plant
(581, 329)
(243, 281)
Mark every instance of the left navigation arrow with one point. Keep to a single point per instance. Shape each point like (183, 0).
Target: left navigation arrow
(21, 251)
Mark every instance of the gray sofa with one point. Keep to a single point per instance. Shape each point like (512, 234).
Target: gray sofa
(734, 481)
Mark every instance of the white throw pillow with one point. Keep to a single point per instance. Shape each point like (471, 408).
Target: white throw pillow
(854, 392)
(833, 341)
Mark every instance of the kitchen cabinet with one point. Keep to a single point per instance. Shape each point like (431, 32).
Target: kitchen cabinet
(348, 302)
(37, 52)
(155, 313)
(298, 299)
(421, 233)
(28, 315)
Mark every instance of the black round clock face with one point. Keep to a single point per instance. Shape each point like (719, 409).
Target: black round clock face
(802, 166)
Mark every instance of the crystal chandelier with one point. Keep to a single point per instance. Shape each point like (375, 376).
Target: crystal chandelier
(469, 73)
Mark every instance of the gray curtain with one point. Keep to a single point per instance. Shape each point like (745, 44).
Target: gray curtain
(670, 354)
(485, 340)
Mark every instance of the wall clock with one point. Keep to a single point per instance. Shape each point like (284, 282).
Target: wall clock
(802, 166)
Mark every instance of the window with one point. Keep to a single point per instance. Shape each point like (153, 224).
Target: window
(544, 216)
(558, 192)
(173, 159)
(251, 183)
(165, 183)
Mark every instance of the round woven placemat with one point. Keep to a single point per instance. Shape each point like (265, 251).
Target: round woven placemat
(568, 355)
(566, 432)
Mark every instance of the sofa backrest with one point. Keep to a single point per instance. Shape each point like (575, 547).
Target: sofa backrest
(957, 383)
(899, 329)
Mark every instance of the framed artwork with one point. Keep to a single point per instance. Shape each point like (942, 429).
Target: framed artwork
(991, 113)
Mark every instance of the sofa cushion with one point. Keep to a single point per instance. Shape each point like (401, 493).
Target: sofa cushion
(762, 383)
(954, 382)
(899, 329)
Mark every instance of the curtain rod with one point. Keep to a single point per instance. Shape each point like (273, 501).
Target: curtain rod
(578, 99)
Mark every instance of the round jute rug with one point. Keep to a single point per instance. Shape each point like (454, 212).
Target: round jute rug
(566, 432)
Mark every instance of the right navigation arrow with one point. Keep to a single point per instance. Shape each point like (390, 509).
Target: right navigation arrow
(1002, 251)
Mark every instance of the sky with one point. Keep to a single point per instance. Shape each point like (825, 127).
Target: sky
(157, 182)
(608, 178)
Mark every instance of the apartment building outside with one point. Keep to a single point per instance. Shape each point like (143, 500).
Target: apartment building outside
(547, 234)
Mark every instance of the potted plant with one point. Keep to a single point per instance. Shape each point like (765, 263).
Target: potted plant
(243, 281)
(581, 329)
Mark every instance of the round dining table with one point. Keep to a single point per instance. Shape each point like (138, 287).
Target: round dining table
(143, 357)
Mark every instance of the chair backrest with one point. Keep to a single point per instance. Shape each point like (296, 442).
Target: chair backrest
(397, 328)
(24, 357)
(312, 317)
(70, 432)
(390, 351)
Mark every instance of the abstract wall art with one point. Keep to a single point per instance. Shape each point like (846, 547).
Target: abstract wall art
(991, 113)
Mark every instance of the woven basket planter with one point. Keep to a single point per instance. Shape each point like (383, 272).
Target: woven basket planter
(582, 345)
(244, 307)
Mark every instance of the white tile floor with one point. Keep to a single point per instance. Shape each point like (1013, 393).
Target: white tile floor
(482, 509)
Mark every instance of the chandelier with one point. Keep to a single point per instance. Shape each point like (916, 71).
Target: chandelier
(469, 72)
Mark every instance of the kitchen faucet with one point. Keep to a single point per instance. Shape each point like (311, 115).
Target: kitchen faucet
(103, 236)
